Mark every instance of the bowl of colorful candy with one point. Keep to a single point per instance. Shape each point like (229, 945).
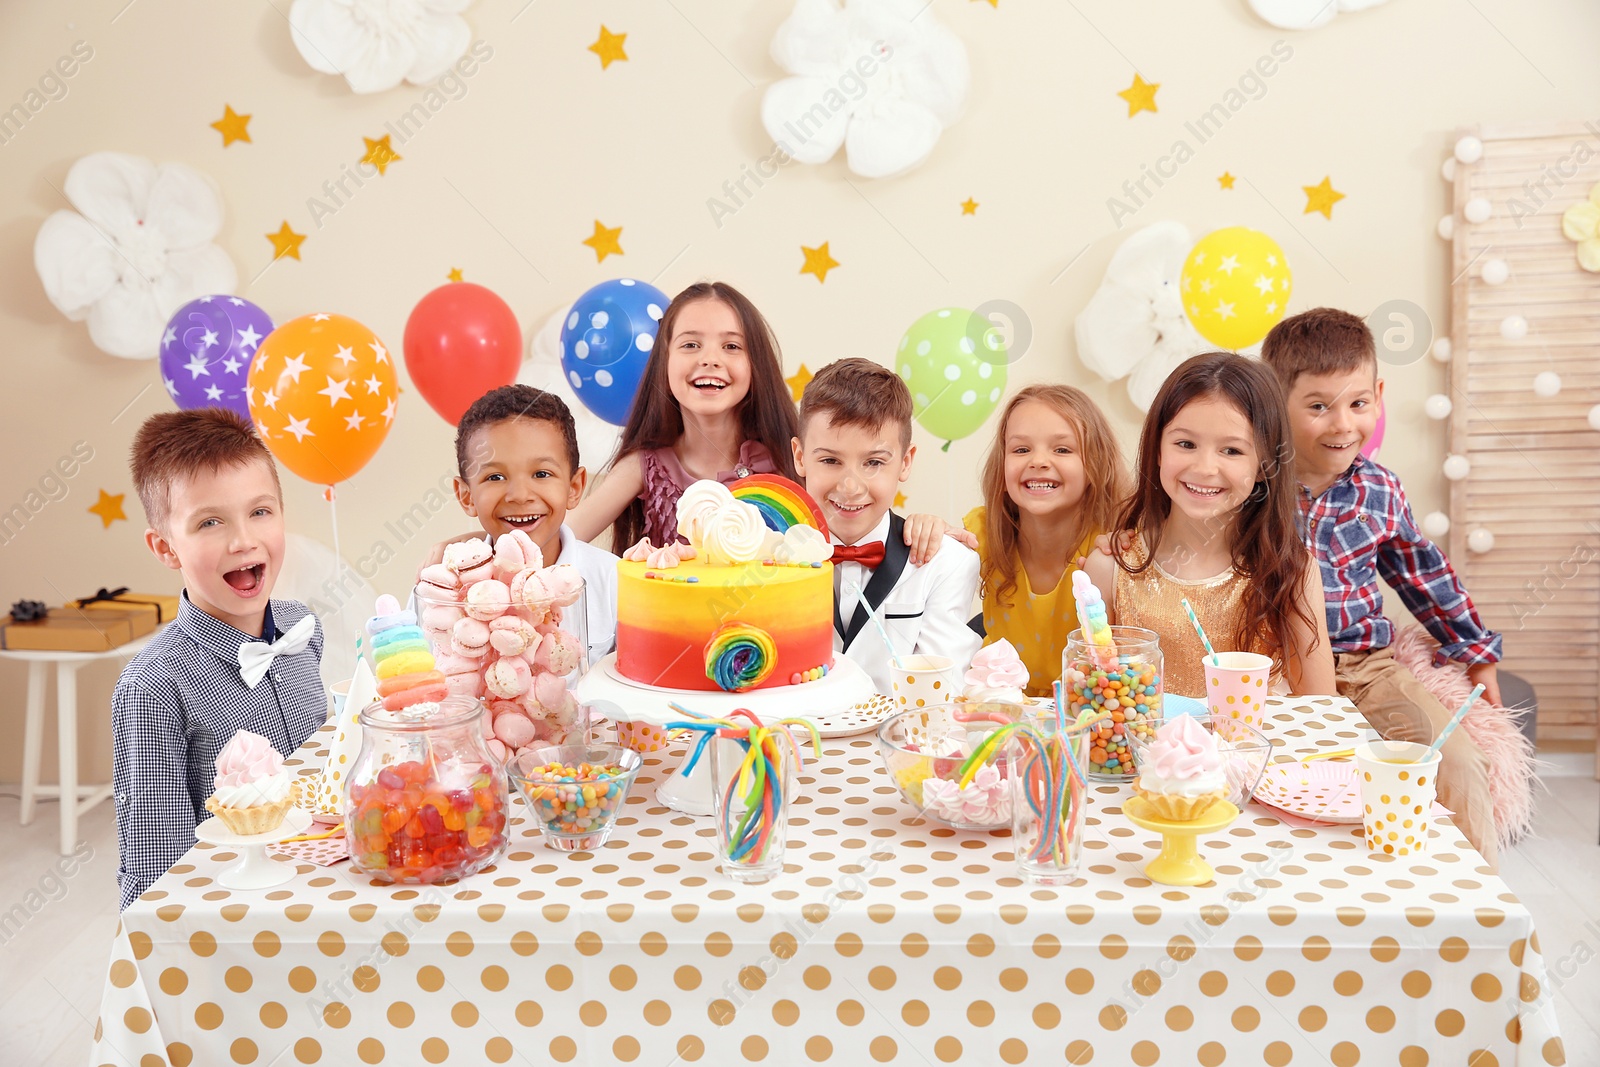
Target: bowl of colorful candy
(1245, 753)
(923, 750)
(426, 801)
(575, 792)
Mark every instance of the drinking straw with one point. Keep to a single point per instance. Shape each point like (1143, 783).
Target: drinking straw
(872, 614)
(339, 829)
(1455, 720)
(1343, 753)
(1188, 609)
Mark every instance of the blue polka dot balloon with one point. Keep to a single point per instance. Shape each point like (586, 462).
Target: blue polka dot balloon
(606, 341)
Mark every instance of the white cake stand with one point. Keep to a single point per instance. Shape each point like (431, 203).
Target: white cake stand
(844, 687)
(255, 869)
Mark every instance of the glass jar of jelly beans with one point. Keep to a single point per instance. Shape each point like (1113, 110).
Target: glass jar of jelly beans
(425, 800)
(1124, 681)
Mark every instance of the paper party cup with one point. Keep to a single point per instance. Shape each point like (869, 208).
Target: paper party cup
(1398, 786)
(642, 737)
(922, 681)
(1236, 686)
(341, 693)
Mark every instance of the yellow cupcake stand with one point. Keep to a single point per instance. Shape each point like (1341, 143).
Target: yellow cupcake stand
(1180, 862)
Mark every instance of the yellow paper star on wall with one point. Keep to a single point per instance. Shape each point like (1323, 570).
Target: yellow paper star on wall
(1321, 197)
(109, 508)
(797, 382)
(455, 274)
(1226, 181)
(380, 154)
(969, 206)
(992, 3)
(233, 126)
(285, 242)
(899, 500)
(818, 261)
(1141, 95)
(608, 46)
(604, 241)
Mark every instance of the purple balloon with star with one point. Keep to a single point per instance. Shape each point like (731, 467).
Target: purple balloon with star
(206, 351)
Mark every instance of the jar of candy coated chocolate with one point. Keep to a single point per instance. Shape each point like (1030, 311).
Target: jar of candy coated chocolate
(1121, 683)
(425, 800)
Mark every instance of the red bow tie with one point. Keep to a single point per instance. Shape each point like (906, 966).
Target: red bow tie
(868, 555)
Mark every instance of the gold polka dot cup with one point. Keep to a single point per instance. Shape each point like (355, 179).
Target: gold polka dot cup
(923, 681)
(642, 737)
(1237, 686)
(1398, 787)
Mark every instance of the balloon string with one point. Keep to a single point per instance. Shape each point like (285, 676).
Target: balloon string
(333, 520)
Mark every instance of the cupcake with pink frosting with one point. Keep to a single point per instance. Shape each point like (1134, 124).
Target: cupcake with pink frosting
(1180, 773)
(997, 676)
(253, 790)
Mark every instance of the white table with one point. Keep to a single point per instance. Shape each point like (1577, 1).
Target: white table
(76, 799)
(887, 939)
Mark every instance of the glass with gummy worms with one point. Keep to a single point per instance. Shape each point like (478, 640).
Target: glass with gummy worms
(1124, 681)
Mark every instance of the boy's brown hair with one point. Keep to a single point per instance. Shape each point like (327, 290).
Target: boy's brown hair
(858, 392)
(1319, 341)
(175, 445)
(516, 402)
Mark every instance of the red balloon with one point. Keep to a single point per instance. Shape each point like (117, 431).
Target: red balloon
(461, 341)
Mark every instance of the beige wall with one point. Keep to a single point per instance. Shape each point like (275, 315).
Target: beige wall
(544, 142)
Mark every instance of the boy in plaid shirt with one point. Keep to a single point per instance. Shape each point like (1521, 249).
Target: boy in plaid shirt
(232, 660)
(1360, 527)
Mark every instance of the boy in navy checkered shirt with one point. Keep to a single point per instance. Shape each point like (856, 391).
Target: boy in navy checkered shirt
(1361, 529)
(232, 660)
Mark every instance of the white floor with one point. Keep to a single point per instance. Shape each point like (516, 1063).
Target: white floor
(52, 968)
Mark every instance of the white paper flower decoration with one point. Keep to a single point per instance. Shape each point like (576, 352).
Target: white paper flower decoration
(1306, 14)
(138, 248)
(883, 78)
(1134, 325)
(377, 43)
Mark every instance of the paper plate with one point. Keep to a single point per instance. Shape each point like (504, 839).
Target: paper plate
(1322, 791)
(856, 719)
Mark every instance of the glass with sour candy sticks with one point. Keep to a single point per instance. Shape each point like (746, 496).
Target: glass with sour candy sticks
(1111, 669)
(754, 775)
(1048, 790)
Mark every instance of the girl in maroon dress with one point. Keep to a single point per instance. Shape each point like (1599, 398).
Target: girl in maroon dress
(712, 404)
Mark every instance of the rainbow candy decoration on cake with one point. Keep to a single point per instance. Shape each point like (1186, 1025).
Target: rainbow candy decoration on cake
(782, 503)
(740, 656)
(1092, 618)
(401, 657)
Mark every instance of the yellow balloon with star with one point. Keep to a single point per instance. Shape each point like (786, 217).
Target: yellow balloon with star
(1236, 285)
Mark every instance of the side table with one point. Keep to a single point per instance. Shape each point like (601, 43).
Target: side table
(76, 799)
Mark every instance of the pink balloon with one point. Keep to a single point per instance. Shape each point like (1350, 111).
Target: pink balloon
(1374, 442)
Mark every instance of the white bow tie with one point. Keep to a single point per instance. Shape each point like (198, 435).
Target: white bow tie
(256, 658)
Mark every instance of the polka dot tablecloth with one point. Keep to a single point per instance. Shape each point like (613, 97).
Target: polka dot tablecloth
(889, 939)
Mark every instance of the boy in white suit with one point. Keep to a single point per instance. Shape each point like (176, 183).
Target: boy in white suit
(853, 451)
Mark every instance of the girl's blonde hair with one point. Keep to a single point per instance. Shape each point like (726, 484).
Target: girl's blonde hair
(1105, 476)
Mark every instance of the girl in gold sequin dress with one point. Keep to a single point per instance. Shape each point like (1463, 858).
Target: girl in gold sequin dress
(1213, 518)
(1052, 484)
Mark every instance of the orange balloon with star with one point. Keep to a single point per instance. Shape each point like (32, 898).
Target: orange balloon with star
(322, 391)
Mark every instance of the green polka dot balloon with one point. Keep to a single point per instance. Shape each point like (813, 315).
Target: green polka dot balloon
(954, 362)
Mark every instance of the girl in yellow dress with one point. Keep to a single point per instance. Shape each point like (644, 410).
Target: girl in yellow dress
(1052, 484)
